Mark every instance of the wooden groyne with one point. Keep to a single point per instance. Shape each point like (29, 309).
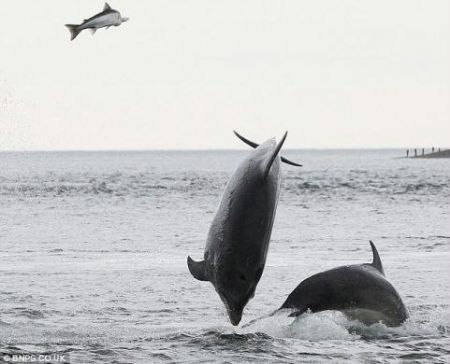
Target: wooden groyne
(421, 153)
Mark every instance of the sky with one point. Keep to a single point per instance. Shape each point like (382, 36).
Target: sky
(182, 74)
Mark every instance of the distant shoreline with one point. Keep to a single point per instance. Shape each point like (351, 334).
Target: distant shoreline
(393, 149)
(440, 154)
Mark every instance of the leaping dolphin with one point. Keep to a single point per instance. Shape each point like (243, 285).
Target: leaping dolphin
(107, 18)
(238, 239)
(360, 291)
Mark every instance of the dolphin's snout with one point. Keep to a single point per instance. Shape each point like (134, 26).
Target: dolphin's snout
(234, 310)
(235, 316)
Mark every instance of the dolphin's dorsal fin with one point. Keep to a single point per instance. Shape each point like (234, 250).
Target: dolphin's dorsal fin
(197, 269)
(273, 156)
(376, 262)
(106, 7)
(255, 145)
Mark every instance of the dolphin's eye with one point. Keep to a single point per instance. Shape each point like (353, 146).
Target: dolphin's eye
(242, 277)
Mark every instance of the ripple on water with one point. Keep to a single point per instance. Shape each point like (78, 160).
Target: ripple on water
(101, 239)
(28, 313)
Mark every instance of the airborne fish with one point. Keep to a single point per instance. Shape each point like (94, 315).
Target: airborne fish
(107, 18)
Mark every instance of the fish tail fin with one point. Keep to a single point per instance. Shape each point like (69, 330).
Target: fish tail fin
(274, 155)
(73, 29)
(376, 262)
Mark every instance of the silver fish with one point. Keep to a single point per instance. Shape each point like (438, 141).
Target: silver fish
(107, 18)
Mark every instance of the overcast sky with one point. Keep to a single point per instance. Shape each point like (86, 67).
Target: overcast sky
(183, 74)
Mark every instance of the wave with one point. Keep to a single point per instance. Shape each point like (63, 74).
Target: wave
(333, 325)
(148, 184)
(366, 187)
(29, 313)
(310, 337)
(110, 185)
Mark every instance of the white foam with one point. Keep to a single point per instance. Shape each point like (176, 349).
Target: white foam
(332, 325)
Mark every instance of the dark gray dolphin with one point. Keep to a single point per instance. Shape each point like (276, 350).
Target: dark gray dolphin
(239, 236)
(360, 291)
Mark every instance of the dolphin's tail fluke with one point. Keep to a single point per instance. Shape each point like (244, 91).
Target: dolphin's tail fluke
(376, 262)
(74, 30)
(274, 155)
(255, 145)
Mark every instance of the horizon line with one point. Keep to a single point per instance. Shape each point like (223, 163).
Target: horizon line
(201, 149)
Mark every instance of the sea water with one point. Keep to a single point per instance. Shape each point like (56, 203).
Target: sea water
(93, 249)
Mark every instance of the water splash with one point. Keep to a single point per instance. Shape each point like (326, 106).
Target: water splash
(333, 325)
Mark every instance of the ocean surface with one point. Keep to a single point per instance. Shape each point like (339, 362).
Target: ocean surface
(93, 249)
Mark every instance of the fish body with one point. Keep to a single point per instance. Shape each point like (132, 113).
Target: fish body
(107, 18)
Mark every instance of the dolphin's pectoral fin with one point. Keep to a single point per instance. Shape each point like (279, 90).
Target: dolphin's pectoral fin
(197, 269)
(376, 262)
(93, 30)
(274, 155)
(255, 145)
